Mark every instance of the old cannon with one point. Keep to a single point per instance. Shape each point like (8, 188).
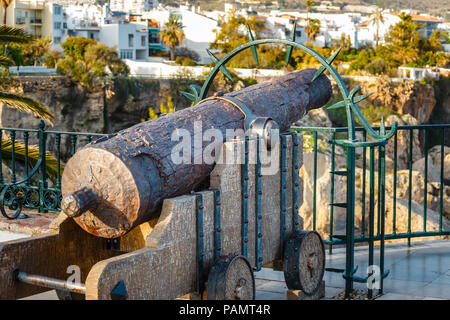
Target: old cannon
(140, 226)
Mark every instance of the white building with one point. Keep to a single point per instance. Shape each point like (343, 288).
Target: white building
(133, 6)
(198, 29)
(84, 20)
(38, 18)
(130, 39)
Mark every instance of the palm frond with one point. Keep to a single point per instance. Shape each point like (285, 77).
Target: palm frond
(33, 156)
(10, 34)
(5, 61)
(26, 104)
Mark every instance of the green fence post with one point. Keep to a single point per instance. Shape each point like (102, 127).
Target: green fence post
(350, 223)
(43, 169)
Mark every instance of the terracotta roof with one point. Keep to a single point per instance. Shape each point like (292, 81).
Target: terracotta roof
(418, 17)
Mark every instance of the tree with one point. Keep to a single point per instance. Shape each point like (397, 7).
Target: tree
(312, 29)
(75, 47)
(19, 36)
(172, 35)
(377, 18)
(36, 50)
(233, 32)
(87, 59)
(52, 57)
(403, 41)
(15, 35)
(5, 4)
(309, 4)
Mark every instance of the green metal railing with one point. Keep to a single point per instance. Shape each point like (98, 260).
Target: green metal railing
(326, 135)
(43, 191)
(35, 158)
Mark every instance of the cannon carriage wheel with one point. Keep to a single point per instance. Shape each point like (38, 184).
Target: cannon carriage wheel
(231, 278)
(304, 261)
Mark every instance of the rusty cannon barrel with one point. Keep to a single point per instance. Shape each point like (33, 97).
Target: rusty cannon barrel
(120, 181)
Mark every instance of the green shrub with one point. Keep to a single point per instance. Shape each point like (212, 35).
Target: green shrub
(179, 60)
(377, 66)
(188, 62)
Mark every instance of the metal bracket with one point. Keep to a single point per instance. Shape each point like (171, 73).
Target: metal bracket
(259, 126)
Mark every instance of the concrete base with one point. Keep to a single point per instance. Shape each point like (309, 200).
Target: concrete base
(300, 295)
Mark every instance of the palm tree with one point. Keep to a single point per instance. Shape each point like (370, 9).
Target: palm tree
(5, 4)
(377, 18)
(15, 35)
(312, 29)
(309, 4)
(172, 35)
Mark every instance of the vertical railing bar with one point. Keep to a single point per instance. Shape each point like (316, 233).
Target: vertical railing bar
(333, 155)
(200, 248)
(394, 200)
(379, 192)
(295, 183)
(283, 191)
(315, 181)
(410, 183)
(350, 221)
(43, 168)
(25, 141)
(371, 209)
(1, 158)
(363, 192)
(73, 143)
(382, 217)
(244, 226)
(425, 191)
(58, 161)
(258, 214)
(217, 228)
(13, 156)
(441, 187)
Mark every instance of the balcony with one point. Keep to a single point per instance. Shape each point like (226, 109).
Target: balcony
(30, 4)
(156, 46)
(35, 20)
(20, 21)
(154, 30)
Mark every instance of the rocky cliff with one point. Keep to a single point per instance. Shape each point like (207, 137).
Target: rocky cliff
(123, 103)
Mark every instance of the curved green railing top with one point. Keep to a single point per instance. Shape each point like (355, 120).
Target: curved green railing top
(350, 99)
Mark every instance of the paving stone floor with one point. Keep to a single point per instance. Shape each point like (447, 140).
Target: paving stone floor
(419, 272)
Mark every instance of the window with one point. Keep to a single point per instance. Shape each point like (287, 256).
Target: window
(126, 54)
(143, 41)
(130, 40)
(56, 39)
(57, 10)
(19, 18)
(57, 25)
(153, 38)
